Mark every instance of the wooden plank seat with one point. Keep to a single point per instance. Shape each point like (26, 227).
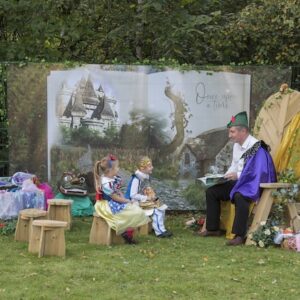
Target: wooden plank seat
(102, 234)
(60, 210)
(47, 237)
(24, 223)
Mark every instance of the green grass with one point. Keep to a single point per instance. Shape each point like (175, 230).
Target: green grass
(184, 267)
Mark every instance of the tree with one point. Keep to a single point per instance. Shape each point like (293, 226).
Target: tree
(264, 32)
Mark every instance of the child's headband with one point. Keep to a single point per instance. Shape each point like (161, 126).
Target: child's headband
(110, 159)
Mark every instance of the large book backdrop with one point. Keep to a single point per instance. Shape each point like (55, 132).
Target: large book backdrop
(64, 119)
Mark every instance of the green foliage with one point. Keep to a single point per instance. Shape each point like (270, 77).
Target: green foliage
(3, 110)
(83, 136)
(290, 194)
(287, 176)
(3, 118)
(195, 194)
(165, 170)
(146, 130)
(185, 31)
(205, 268)
(252, 40)
(8, 227)
(264, 235)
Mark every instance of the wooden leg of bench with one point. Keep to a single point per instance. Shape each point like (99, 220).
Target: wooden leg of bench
(262, 212)
(294, 217)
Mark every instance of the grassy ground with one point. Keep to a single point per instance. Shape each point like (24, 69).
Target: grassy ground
(184, 267)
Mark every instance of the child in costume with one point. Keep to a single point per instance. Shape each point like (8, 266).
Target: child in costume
(119, 212)
(138, 190)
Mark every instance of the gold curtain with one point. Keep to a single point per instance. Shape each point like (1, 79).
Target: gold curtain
(288, 154)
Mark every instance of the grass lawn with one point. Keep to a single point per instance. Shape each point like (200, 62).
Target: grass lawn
(183, 267)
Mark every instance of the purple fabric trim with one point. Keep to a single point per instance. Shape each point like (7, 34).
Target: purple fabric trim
(259, 168)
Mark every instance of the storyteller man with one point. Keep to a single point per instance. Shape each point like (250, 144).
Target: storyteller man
(251, 165)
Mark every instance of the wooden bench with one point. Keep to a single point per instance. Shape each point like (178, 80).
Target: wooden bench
(60, 210)
(294, 212)
(24, 223)
(48, 238)
(263, 208)
(145, 229)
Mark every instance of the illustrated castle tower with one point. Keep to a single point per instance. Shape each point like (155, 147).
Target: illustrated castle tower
(87, 107)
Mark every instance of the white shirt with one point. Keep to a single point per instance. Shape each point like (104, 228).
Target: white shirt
(134, 190)
(237, 163)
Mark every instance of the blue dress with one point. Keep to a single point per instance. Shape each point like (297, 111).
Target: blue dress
(111, 186)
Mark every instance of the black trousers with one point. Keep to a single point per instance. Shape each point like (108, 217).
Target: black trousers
(221, 192)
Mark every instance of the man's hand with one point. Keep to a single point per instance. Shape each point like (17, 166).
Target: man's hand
(231, 176)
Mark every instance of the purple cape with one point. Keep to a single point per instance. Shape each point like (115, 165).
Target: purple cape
(259, 168)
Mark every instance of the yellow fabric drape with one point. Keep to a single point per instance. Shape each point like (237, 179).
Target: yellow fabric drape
(132, 216)
(288, 154)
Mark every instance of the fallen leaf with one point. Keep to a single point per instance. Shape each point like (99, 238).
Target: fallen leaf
(235, 279)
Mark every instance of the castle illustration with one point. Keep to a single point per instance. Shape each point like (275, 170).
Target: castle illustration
(86, 106)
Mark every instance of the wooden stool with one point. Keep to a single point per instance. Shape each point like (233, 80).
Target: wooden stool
(47, 238)
(102, 234)
(25, 219)
(145, 229)
(60, 210)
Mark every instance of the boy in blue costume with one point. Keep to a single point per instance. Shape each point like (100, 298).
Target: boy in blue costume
(136, 192)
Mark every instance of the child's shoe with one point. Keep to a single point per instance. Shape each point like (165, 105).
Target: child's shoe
(165, 234)
(128, 239)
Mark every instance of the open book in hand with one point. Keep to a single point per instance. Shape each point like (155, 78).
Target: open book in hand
(213, 179)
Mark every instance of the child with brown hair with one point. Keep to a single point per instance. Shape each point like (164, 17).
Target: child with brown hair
(118, 212)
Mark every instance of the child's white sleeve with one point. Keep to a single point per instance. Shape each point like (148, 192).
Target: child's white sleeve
(107, 188)
(134, 195)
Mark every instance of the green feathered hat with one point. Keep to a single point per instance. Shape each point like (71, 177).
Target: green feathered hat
(240, 119)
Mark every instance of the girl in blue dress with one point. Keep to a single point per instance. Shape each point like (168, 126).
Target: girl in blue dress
(120, 213)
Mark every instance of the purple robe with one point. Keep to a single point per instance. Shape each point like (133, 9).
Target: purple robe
(258, 168)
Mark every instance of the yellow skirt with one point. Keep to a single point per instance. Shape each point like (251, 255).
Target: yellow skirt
(132, 216)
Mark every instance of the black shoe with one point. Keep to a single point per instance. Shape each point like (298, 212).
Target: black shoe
(165, 234)
(168, 233)
(207, 233)
(238, 240)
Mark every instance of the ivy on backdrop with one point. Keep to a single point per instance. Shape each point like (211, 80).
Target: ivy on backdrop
(3, 117)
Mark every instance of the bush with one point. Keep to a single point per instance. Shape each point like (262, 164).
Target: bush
(195, 194)
(8, 227)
